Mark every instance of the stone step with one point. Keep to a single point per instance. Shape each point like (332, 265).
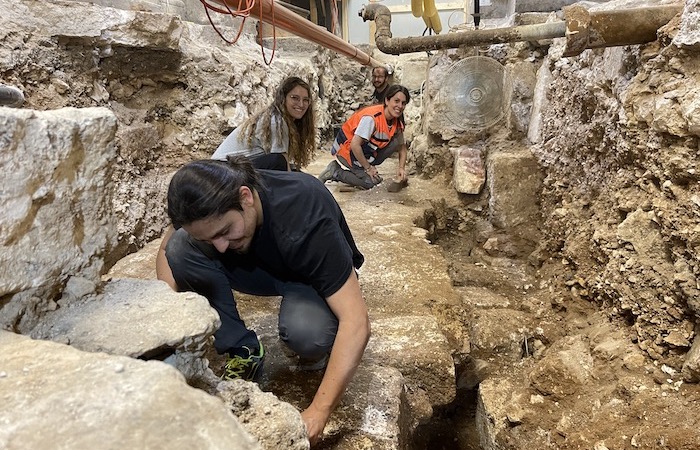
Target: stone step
(142, 319)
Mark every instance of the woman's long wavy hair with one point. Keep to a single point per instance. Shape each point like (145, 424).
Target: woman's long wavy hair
(302, 132)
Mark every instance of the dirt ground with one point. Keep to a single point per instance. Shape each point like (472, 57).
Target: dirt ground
(626, 400)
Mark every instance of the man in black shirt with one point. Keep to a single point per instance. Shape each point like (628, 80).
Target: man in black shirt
(270, 233)
(380, 81)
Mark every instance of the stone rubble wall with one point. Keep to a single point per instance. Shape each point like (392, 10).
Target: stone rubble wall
(175, 88)
(619, 134)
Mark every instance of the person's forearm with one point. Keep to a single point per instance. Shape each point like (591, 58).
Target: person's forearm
(349, 307)
(350, 343)
(403, 153)
(163, 271)
(359, 155)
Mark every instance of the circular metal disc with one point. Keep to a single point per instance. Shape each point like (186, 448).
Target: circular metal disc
(473, 93)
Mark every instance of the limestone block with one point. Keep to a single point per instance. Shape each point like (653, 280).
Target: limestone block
(539, 102)
(56, 194)
(373, 413)
(416, 346)
(141, 264)
(107, 26)
(523, 76)
(274, 423)
(564, 370)
(479, 297)
(691, 366)
(493, 398)
(434, 107)
(138, 318)
(469, 174)
(413, 70)
(57, 397)
(131, 317)
(640, 229)
(514, 183)
(689, 33)
(499, 331)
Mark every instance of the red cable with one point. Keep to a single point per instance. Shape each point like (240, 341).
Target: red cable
(244, 13)
(274, 32)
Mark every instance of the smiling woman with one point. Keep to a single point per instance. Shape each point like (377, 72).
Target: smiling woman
(368, 138)
(281, 134)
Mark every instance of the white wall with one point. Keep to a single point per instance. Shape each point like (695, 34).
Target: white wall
(403, 24)
(453, 13)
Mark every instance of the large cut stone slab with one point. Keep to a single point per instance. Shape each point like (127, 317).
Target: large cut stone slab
(106, 26)
(57, 397)
(138, 318)
(56, 194)
(515, 182)
(373, 412)
(417, 347)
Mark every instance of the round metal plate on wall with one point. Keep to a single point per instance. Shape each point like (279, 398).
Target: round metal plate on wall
(475, 93)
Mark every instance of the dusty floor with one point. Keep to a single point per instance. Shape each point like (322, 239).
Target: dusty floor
(628, 402)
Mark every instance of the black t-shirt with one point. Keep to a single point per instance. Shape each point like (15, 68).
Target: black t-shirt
(304, 236)
(378, 97)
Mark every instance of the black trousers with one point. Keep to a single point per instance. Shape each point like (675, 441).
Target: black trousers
(355, 175)
(305, 322)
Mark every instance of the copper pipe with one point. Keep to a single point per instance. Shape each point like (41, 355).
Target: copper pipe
(294, 23)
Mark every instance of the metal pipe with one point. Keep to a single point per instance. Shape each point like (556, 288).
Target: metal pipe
(381, 16)
(10, 96)
(583, 29)
(287, 20)
(596, 29)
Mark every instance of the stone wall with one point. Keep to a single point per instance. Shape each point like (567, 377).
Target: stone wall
(175, 88)
(191, 11)
(619, 139)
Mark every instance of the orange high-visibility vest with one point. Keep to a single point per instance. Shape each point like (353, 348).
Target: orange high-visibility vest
(380, 138)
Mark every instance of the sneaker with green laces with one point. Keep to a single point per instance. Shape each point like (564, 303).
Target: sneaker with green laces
(245, 363)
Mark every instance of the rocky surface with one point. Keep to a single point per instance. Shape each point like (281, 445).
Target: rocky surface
(559, 308)
(55, 396)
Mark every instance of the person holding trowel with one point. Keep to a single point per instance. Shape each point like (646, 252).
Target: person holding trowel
(367, 139)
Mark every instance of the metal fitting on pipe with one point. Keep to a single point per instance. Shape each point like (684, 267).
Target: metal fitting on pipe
(595, 29)
(10, 96)
(381, 16)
